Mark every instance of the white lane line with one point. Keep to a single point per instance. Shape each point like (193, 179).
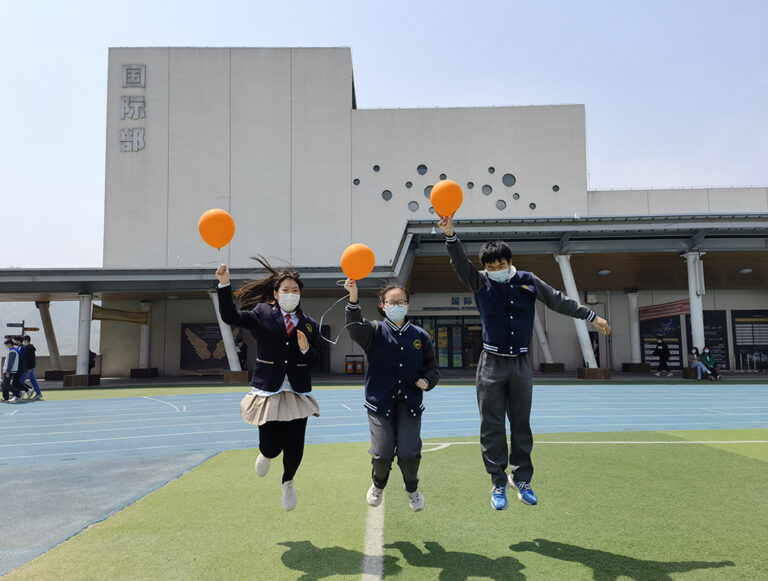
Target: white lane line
(345, 406)
(59, 442)
(161, 401)
(373, 558)
(445, 445)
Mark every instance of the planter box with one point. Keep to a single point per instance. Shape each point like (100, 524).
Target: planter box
(81, 380)
(594, 373)
(57, 374)
(144, 372)
(552, 367)
(237, 376)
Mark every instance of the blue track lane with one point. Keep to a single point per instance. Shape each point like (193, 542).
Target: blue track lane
(84, 460)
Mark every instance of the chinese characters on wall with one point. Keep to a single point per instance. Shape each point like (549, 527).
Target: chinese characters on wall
(132, 108)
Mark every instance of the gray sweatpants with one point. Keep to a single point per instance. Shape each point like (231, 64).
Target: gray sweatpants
(505, 388)
(398, 435)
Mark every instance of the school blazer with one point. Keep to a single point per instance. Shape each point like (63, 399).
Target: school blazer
(278, 353)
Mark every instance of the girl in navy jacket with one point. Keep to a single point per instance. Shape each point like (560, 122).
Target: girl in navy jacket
(401, 367)
(287, 343)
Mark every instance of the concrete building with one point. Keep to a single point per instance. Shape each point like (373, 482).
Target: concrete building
(275, 137)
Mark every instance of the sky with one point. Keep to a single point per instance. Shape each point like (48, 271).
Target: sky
(675, 91)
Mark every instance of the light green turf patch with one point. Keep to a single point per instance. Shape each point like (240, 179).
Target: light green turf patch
(608, 511)
(757, 450)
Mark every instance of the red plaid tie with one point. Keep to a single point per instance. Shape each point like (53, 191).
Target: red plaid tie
(289, 324)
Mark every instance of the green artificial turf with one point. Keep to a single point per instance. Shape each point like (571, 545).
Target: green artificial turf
(607, 511)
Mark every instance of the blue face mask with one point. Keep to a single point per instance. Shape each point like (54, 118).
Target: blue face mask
(498, 275)
(396, 313)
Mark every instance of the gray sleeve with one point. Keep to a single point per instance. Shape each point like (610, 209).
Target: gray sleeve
(557, 301)
(468, 274)
(361, 330)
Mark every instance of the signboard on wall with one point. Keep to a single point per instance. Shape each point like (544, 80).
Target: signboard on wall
(750, 339)
(669, 329)
(664, 310)
(202, 350)
(715, 336)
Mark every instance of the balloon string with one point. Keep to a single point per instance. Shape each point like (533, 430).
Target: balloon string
(342, 329)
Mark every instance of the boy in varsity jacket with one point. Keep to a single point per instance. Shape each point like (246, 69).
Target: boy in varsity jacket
(506, 298)
(401, 367)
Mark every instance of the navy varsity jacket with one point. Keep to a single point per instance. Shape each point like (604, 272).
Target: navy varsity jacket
(278, 353)
(507, 309)
(397, 358)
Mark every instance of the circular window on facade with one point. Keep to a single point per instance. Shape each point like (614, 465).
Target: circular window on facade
(508, 179)
(555, 188)
(442, 176)
(409, 185)
(487, 190)
(413, 205)
(356, 181)
(387, 195)
(470, 185)
(532, 206)
(427, 191)
(515, 196)
(376, 168)
(422, 169)
(491, 169)
(501, 204)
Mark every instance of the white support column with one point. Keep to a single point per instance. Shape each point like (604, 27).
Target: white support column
(695, 292)
(50, 336)
(84, 334)
(542, 337)
(144, 349)
(226, 335)
(634, 328)
(564, 261)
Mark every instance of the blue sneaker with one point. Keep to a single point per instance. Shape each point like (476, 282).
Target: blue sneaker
(499, 497)
(524, 491)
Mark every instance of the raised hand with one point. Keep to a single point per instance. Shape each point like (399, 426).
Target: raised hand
(351, 287)
(446, 224)
(222, 273)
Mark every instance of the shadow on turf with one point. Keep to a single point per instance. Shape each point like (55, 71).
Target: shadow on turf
(318, 563)
(610, 566)
(458, 566)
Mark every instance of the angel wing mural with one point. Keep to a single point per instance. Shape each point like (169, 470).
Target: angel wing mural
(199, 345)
(220, 352)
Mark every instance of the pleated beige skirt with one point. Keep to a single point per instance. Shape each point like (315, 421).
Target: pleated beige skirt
(281, 407)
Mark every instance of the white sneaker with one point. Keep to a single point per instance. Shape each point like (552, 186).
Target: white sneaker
(657, 374)
(289, 495)
(374, 495)
(12, 399)
(416, 500)
(30, 392)
(262, 465)
(670, 373)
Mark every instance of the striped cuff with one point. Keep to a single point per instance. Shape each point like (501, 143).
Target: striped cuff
(591, 316)
(352, 306)
(452, 238)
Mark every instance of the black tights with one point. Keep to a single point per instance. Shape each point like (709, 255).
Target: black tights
(285, 437)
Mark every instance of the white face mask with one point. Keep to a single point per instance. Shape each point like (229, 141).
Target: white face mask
(288, 301)
(396, 313)
(498, 275)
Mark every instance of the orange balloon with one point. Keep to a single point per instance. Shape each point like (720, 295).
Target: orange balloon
(216, 227)
(357, 261)
(446, 197)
